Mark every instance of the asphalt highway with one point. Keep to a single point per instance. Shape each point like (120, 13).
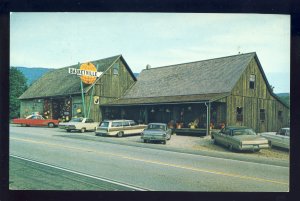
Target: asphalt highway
(47, 159)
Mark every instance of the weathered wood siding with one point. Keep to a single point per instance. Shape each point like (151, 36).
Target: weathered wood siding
(27, 107)
(252, 100)
(109, 87)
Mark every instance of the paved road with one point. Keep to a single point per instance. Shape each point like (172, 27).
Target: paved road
(143, 168)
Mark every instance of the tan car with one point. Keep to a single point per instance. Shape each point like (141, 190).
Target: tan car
(119, 128)
(240, 138)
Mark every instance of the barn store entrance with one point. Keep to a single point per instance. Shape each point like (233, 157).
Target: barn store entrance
(58, 108)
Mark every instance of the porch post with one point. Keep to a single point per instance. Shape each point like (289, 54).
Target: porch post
(207, 118)
(146, 115)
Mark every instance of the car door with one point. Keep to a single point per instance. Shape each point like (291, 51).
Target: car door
(168, 133)
(285, 135)
(220, 137)
(35, 121)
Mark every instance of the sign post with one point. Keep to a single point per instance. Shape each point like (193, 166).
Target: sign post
(88, 75)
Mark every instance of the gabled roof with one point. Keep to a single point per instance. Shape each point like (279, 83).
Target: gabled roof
(201, 77)
(195, 81)
(59, 82)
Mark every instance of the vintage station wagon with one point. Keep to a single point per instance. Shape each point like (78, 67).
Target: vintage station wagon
(119, 128)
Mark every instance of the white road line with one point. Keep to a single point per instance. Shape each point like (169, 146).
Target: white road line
(83, 174)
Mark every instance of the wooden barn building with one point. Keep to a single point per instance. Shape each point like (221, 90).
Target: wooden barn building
(58, 95)
(230, 90)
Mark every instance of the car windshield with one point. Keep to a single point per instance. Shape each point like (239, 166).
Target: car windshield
(156, 127)
(243, 132)
(285, 132)
(76, 120)
(104, 124)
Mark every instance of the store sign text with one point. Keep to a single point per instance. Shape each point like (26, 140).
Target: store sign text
(79, 72)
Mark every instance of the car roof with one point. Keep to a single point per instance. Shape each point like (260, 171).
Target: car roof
(115, 120)
(158, 124)
(237, 127)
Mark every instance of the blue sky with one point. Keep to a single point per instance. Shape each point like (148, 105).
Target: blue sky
(55, 40)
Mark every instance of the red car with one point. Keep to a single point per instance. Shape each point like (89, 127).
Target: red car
(36, 120)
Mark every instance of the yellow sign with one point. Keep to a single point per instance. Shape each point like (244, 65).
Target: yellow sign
(96, 100)
(87, 72)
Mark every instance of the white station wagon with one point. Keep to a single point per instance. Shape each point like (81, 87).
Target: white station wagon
(119, 128)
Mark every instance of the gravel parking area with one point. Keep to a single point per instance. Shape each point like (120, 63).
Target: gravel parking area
(206, 144)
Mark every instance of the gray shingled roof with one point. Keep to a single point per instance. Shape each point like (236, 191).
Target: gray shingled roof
(202, 77)
(59, 82)
(196, 81)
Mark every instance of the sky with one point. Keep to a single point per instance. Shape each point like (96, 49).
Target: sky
(55, 40)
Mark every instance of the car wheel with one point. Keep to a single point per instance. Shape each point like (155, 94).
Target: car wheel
(82, 130)
(68, 130)
(270, 144)
(230, 147)
(51, 125)
(145, 141)
(120, 134)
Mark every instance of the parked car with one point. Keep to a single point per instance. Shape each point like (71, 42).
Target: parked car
(36, 120)
(278, 139)
(119, 128)
(156, 132)
(240, 138)
(80, 124)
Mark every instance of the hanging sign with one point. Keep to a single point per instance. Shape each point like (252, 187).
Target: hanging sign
(96, 100)
(87, 72)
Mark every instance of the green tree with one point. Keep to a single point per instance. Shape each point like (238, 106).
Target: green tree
(17, 86)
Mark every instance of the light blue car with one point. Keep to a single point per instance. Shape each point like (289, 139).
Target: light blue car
(156, 132)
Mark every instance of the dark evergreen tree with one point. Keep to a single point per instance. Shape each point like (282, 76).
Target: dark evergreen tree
(17, 86)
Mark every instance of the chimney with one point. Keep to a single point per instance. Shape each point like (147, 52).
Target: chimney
(148, 67)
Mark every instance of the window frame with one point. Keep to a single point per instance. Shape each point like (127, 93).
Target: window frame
(262, 114)
(116, 68)
(239, 114)
(252, 80)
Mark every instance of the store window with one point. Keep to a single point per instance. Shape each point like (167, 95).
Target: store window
(262, 114)
(252, 81)
(239, 114)
(116, 69)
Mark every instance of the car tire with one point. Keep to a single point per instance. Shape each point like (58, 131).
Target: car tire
(270, 144)
(68, 130)
(230, 147)
(256, 150)
(51, 125)
(120, 134)
(82, 130)
(145, 141)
